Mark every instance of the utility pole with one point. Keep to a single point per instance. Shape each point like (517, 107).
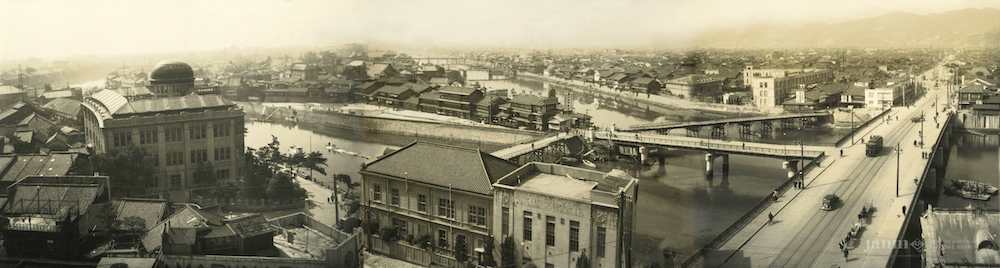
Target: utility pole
(899, 151)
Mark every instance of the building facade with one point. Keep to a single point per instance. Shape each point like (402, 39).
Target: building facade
(694, 85)
(558, 215)
(439, 200)
(771, 87)
(193, 137)
(530, 112)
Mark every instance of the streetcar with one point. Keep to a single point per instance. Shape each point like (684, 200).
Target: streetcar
(874, 146)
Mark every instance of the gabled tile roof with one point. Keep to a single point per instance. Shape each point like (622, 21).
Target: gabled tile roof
(463, 169)
(464, 91)
(64, 106)
(149, 210)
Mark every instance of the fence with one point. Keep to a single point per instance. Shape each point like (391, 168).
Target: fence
(405, 251)
(703, 145)
(850, 136)
(250, 205)
(723, 237)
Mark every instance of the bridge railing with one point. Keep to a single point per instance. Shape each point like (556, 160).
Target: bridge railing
(850, 136)
(920, 186)
(707, 145)
(743, 221)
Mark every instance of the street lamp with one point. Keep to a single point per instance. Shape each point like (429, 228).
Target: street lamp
(899, 151)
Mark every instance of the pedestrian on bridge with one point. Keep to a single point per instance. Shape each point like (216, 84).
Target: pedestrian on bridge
(775, 194)
(845, 255)
(770, 218)
(841, 152)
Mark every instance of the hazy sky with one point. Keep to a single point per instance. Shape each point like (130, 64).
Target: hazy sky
(62, 28)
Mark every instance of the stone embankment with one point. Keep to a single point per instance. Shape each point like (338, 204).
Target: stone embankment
(403, 127)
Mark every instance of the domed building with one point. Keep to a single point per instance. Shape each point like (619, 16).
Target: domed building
(171, 78)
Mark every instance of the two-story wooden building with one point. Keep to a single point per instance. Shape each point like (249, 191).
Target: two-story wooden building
(458, 101)
(530, 112)
(436, 193)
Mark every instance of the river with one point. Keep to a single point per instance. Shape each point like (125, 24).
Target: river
(676, 209)
(972, 157)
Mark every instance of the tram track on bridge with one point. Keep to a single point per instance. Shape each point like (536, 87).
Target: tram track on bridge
(805, 248)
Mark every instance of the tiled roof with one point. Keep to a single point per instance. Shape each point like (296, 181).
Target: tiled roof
(393, 89)
(58, 94)
(464, 91)
(463, 169)
(975, 89)
(643, 81)
(50, 165)
(192, 101)
(377, 69)
(8, 89)
(187, 217)
(64, 106)
(150, 210)
(439, 80)
(531, 100)
(51, 199)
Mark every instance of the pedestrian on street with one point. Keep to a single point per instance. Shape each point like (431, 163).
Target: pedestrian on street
(841, 152)
(775, 195)
(845, 255)
(770, 217)
(904, 210)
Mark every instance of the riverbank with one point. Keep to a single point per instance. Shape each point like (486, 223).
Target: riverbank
(657, 100)
(406, 127)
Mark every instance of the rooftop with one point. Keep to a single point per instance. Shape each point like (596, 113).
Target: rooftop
(306, 243)
(566, 181)
(966, 236)
(464, 169)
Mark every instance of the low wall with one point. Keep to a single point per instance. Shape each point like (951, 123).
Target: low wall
(250, 205)
(403, 127)
(218, 261)
(345, 254)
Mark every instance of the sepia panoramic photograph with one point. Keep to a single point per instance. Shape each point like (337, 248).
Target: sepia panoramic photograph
(499, 134)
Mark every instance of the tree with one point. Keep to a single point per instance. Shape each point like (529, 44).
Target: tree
(488, 253)
(267, 173)
(130, 169)
(30, 70)
(315, 161)
(508, 257)
(461, 250)
(310, 57)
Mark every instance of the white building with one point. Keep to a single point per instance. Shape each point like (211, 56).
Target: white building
(558, 215)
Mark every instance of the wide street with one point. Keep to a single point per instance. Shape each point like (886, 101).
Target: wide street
(803, 235)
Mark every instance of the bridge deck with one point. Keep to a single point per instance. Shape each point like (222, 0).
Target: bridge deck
(736, 147)
(672, 125)
(803, 235)
(520, 149)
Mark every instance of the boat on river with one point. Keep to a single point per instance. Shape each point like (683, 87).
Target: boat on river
(588, 163)
(978, 186)
(968, 191)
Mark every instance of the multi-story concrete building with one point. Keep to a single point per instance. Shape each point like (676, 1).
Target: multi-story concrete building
(188, 135)
(890, 94)
(436, 193)
(557, 215)
(694, 85)
(771, 87)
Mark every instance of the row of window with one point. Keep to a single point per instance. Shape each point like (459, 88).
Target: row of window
(197, 156)
(550, 231)
(175, 180)
(173, 134)
(446, 208)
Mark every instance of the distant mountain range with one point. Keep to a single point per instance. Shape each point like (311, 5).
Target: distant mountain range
(960, 28)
